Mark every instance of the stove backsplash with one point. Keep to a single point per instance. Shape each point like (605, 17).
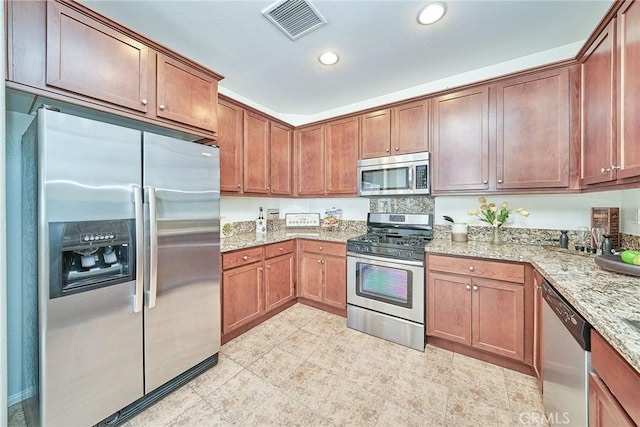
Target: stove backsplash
(409, 204)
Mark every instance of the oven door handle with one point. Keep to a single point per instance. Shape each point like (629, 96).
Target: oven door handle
(387, 260)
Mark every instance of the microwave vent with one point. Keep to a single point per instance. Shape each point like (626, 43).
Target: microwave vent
(295, 18)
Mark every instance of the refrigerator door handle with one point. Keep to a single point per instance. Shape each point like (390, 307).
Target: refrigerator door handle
(139, 231)
(153, 247)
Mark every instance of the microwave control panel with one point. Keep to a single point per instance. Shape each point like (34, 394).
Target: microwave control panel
(422, 179)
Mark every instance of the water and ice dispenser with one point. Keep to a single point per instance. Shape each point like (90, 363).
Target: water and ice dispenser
(87, 255)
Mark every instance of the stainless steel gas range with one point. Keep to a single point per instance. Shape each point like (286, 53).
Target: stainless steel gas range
(385, 278)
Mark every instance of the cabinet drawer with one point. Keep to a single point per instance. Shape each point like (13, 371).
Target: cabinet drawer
(241, 257)
(617, 374)
(280, 248)
(478, 268)
(322, 247)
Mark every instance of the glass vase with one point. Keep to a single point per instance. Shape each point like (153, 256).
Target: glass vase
(496, 236)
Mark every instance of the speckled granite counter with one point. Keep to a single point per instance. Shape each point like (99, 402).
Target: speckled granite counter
(601, 297)
(245, 240)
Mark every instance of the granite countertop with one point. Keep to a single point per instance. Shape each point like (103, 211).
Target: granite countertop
(245, 240)
(603, 298)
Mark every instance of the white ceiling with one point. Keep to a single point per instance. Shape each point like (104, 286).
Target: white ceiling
(384, 51)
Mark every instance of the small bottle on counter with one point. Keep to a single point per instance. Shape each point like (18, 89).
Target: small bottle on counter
(564, 239)
(607, 245)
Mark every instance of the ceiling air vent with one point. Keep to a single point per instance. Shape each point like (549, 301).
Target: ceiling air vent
(295, 18)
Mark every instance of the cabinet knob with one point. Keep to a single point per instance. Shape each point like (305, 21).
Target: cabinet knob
(614, 167)
(468, 287)
(471, 268)
(162, 107)
(268, 188)
(144, 102)
(322, 261)
(499, 181)
(320, 248)
(485, 181)
(260, 269)
(238, 185)
(245, 257)
(387, 150)
(397, 148)
(475, 287)
(605, 170)
(269, 267)
(319, 261)
(281, 249)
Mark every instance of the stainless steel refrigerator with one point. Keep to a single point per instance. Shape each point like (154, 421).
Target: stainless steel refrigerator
(124, 226)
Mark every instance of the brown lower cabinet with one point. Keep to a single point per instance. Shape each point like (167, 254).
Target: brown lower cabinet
(322, 272)
(256, 283)
(613, 387)
(480, 305)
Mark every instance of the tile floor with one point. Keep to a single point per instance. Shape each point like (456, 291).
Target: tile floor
(305, 367)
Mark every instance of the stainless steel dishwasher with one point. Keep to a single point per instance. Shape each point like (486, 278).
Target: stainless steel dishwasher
(566, 361)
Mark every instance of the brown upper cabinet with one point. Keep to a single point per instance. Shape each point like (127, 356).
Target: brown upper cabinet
(533, 138)
(67, 52)
(399, 130)
(513, 135)
(326, 158)
(309, 160)
(460, 144)
(256, 153)
(610, 101)
(281, 159)
(268, 155)
(230, 128)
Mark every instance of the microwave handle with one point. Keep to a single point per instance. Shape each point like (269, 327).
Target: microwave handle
(411, 178)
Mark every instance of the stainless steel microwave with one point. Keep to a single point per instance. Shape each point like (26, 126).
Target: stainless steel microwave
(406, 174)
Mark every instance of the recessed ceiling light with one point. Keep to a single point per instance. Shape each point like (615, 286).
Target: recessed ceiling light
(328, 58)
(431, 13)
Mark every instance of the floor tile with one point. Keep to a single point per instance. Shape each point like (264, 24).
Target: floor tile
(236, 398)
(210, 380)
(275, 366)
(309, 384)
(167, 409)
(301, 343)
(201, 415)
(349, 405)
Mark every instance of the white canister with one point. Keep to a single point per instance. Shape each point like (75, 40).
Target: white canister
(459, 232)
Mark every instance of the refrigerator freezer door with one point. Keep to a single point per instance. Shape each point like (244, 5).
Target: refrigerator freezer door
(91, 342)
(182, 312)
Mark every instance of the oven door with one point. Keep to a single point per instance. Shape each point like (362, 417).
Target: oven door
(393, 287)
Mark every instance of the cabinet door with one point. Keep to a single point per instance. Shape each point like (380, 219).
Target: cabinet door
(604, 409)
(498, 317)
(242, 299)
(335, 281)
(533, 144)
(281, 159)
(598, 108)
(410, 131)
(279, 281)
(341, 156)
(256, 153)
(310, 276)
(230, 142)
(628, 90)
(449, 307)
(186, 95)
(376, 134)
(461, 141)
(309, 160)
(92, 59)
